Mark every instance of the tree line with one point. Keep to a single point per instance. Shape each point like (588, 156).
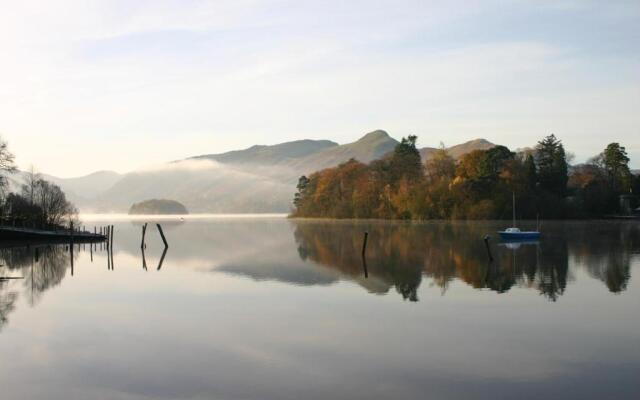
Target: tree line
(479, 185)
(38, 203)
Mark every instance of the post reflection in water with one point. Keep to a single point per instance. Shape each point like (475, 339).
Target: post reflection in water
(43, 266)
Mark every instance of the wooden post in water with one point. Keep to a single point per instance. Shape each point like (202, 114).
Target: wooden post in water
(111, 245)
(71, 253)
(364, 243)
(486, 244)
(144, 260)
(144, 231)
(162, 236)
(164, 253)
(364, 267)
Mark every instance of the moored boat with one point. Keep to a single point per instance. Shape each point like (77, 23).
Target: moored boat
(514, 233)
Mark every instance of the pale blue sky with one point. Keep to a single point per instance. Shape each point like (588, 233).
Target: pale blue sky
(88, 85)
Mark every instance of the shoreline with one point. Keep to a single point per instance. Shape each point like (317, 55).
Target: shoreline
(161, 217)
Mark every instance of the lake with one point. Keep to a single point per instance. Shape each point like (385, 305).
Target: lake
(270, 308)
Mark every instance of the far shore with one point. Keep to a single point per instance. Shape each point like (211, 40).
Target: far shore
(87, 217)
(147, 217)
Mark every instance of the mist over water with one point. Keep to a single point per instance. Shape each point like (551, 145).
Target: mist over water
(274, 308)
(91, 218)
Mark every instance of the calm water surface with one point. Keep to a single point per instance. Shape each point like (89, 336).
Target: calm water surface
(270, 308)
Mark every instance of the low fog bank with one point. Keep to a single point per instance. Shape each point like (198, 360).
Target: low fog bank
(203, 186)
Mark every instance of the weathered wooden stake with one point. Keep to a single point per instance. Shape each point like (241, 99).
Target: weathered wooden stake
(486, 244)
(364, 243)
(164, 253)
(144, 231)
(144, 260)
(71, 255)
(162, 236)
(111, 246)
(364, 267)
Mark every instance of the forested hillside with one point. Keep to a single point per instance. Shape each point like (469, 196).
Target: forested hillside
(479, 185)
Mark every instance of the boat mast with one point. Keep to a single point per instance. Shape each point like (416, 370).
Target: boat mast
(514, 208)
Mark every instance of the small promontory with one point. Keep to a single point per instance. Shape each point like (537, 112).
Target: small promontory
(159, 207)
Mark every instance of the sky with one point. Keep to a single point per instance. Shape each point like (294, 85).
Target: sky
(120, 85)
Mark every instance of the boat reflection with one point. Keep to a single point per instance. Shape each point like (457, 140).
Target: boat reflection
(516, 244)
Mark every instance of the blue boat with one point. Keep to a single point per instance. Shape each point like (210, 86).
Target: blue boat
(514, 234)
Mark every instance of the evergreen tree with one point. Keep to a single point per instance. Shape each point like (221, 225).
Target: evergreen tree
(616, 164)
(405, 161)
(552, 166)
(303, 182)
(493, 162)
(531, 173)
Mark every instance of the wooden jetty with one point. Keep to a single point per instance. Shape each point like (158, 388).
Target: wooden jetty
(8, 233)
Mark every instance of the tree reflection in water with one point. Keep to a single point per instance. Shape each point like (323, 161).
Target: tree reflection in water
(42, 267)
(607, 254)
(7, 303)
(399, 255)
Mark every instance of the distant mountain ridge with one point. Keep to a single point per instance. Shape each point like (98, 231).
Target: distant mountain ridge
(458, 150)
(257, 179)
(372, 146)
(270, 155)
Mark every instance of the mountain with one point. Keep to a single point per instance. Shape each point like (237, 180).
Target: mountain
(305, 156)
(270, 155)
(372, 146)
(87, 185)
(258, 179)
(458, 150)
(81, 190)
(202, 186)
